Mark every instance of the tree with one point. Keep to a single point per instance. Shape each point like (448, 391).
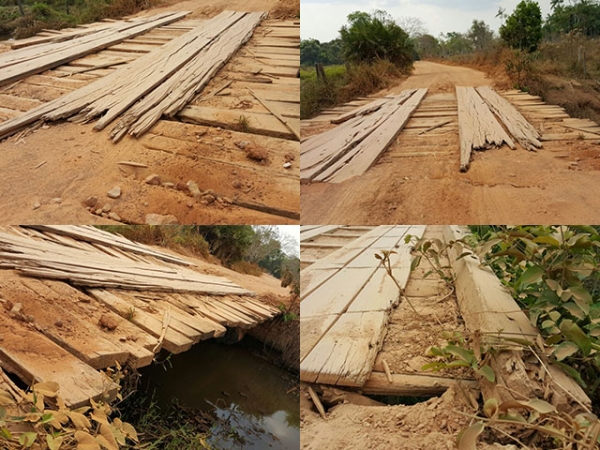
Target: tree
(413, 26)
(227, 242)
(427, 46)
(371, 37)
(523, 28)
(582, 15)
(480, 35)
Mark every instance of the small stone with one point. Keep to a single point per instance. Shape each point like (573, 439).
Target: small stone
(168, 184)
(289, 157)
(106, 208)
(227, 200)
(208, 198)
(109, 322)
(512, 175)
(58, 323)
(105, 215)
(287, 165)
(153, 179)
(159, 219)
(217, 139)
(114, 192)
(242, 144)
(36, 205)
(91, 201)
(190, 205)
(17, 308)
(98, 211)
(114, 216)
(181, 186)
(194, 189)
(236, 184)
(56, 201)
(146, 203)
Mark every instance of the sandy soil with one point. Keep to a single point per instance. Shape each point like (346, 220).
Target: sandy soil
(502, 186)
(49, 174)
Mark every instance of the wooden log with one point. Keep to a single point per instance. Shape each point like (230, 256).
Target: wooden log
(295, 128)
(412, 385)
(315, 398)
(20, 352)
(489, 309)
(517, 125)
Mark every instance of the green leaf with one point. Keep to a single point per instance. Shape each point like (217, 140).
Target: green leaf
(572, 332)
(575, 310)
(553, 284)
(27, 439)
(565, 349)
(572, 373)
(582, 298)
(554, 315)
(415, 262)
(54, 443)
(532, 275)
(467, 439)
(436, 351)
(461, 353)
(5, 433)
(540, 406)
(487, 372)
(434, 366)
(490, 407)
(485, 248)
(548, 240)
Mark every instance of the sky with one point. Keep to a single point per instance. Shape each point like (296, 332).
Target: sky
(322, 19)
(294, 232)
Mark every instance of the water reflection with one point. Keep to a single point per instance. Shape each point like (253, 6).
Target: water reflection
(256, 403)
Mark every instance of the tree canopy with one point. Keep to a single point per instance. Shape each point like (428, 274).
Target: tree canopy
(371, 37)
(523, 28)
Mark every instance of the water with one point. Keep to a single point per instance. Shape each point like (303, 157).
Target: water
(249, 395)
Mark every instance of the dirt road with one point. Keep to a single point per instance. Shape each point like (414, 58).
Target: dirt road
(48, 175)
(417, 179)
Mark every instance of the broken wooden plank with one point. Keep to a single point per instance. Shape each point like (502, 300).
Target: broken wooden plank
(294, 126)
(477, 126)
(517, 125)
(412, 385)
(359, 159)
(21, 349)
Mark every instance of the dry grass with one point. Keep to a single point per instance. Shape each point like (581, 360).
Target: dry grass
(247, 268)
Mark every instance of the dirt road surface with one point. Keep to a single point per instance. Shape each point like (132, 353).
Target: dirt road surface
(48, 175)
(417, 180)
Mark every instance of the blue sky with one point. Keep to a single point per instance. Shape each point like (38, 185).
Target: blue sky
(321, 19)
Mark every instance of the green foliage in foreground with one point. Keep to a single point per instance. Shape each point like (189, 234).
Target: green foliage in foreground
(554, 273)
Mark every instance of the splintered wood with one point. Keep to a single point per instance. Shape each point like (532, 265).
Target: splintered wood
(156, 84)
(132, 301)
(346, 304)
(479, 129)
(353, 147)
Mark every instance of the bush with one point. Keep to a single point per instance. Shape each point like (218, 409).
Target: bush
(523, 28)
(247, 268)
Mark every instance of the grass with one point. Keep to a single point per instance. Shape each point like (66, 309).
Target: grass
(343, 84)
(247, 268)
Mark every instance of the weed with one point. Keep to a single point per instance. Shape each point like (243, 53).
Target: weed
(243, 124)
(130, 314)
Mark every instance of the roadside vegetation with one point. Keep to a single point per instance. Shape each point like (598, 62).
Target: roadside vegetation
(371, 52)
(24, 18)
(556, 57)
(553, 274)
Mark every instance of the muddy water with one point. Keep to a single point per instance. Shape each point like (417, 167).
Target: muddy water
(250, 395)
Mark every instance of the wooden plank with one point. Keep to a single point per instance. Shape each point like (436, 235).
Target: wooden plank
(489, 309)
(477, 126)
(126, 335)
(413, 385)
(172, 95)
(174, 341)
(314, 232)
(345, 355)
(76, 48)
(71, 332)
(516, 124)
(257, 123)
(18, 103)
(360, 111)
(293, 126)
(35, 358)
(359, 159)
